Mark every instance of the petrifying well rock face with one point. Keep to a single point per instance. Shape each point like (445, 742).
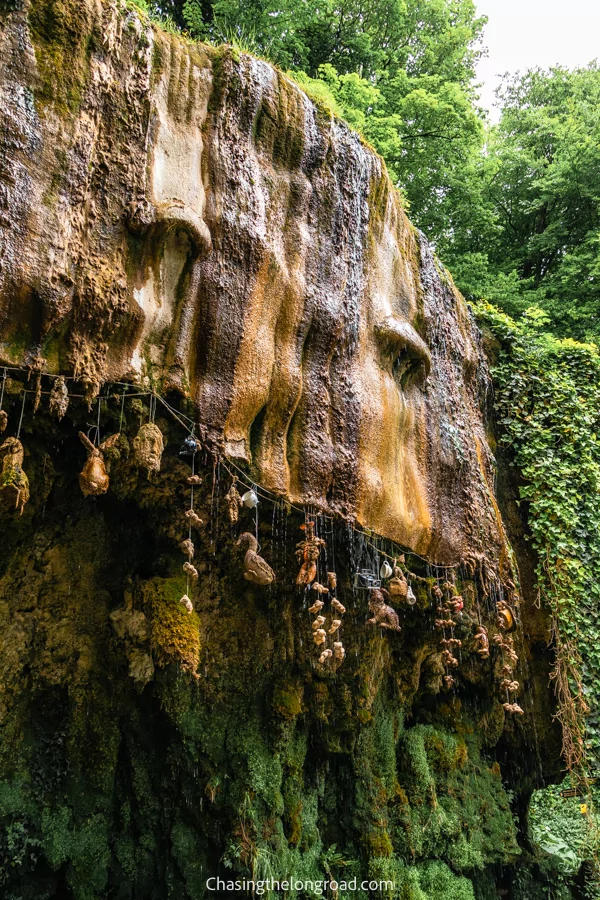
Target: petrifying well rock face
(189, 216)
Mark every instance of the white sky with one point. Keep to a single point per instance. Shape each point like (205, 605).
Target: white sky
(521, 34)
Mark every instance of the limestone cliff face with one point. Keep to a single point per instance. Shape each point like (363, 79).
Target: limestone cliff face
(185, 219)
(188, 217)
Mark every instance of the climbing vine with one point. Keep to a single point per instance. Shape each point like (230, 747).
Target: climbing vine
(548, 409)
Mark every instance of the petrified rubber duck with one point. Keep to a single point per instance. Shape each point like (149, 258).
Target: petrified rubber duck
(316, 607)
(188, 548)
(506, 617)
(59, 398)
(14, 483)
(331, 581)
(481, 638)
(148, 446)
(318, 622)
(190, 570)
(334, 626)
(307, 553)
(339, 607)
(187, 603)
(3, 420)
(194, 519)
(338, 650)
(325, 655)
(319, 587)
(233, 500)
(319, 636)
(93, 478)
(256, 569)
(383, 614)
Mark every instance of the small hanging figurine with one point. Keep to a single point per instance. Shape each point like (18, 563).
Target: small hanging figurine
(256, 569)
(59, 398)
(148, 446)
(331, 581)
(481, 638)
(334, 626)
(93, 478)
(233, 501)
(448, 681)
(319, 636)
(398, 585)
(14, 483)
(338, 606)
(319, 587)
(307, 553)
(188, 548)
(514, 709)
(3, 420)
(338, 650)
(194, 519)
(383, 614)
(318, 622)
(316, 607)
(325, 655)
(194, 480)
(187, 603)
(190, 570)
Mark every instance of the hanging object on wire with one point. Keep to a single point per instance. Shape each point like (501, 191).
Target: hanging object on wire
(256, 569)
(386, 570)
(190, 446)
(366, 580)
(148, 447)
(506, 617)
(194, 519)
(250, 499)
(59, 398)
(14, 484)
(481, 639)
(93, 478)
(382, 613)
(307, 553)
(233, 500)
(185, 600)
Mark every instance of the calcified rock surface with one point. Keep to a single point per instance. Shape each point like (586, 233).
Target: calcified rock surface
(189, 215)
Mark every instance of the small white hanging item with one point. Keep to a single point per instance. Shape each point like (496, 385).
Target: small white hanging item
(148, 446)
(316, 607)
(188, 548)
(338, 650)
(194, 519)
(59, 398)
(410, 596)
(325, 655)
(318, 622)
(334, 626)
(250, 499)
(187, 603)
(190, 570)
(386, 570)
(319, 636)
(338, 606)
